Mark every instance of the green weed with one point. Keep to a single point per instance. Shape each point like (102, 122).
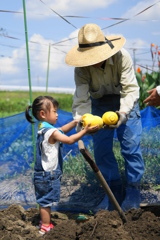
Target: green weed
(12, 103)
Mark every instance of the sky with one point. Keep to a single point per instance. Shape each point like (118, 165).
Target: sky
(51, 28)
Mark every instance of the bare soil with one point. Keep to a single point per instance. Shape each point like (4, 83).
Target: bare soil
(16, 223)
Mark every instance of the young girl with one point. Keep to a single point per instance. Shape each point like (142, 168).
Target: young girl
(48, 165)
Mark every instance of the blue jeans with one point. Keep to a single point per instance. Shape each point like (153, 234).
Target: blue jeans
(47, 187)
(129, 136)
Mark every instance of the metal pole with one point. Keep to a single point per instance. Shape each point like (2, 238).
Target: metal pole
(29, 76)
(27, 51)
(49, 50)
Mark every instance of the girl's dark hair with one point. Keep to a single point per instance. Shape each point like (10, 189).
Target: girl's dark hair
(40, 103)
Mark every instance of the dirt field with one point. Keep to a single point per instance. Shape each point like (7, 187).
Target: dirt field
(16, 223)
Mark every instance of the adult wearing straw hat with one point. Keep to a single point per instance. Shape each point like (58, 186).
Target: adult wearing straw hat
(105, 81)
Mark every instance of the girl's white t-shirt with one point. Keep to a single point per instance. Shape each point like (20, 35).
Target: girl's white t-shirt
(49, 151)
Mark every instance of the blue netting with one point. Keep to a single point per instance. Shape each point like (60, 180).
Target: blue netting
(150, 117)
(16, 153)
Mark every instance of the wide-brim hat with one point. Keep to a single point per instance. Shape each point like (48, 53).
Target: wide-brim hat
(93, 47)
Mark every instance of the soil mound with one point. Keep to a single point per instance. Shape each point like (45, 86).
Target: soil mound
(16, 223)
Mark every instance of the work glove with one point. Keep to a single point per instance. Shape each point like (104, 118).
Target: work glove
(79, 126)
(122, 118)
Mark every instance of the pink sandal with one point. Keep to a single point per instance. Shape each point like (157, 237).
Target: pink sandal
(44, 229)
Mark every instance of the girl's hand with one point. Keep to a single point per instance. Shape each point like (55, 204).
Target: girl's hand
(91, 129)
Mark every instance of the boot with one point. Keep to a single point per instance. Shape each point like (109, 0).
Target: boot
(132, 198)
(117, 191)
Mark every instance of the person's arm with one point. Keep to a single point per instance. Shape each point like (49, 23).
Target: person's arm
(154, 97)
(129, 93)
(58, 136)
(81, 100)
(67, 127)
(130, 88)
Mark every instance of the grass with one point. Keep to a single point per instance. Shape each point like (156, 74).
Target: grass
(13, 102)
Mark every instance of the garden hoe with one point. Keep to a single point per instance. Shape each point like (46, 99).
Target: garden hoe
(86, 154)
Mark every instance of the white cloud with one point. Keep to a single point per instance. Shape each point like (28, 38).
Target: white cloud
(59, 73)
(70, 6)
(151, 13)
(140, 52)
(8, 66)
(156, 33)
(16, 65)
(137, 43)
(38, 9)
(14, 69)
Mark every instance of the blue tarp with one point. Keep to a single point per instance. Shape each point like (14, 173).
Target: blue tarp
(16, 152)
(16, 137)
(150, 117)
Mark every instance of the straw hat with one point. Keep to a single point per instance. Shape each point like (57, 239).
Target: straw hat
(93, 47)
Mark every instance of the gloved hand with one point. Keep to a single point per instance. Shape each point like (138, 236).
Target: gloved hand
(122, 118)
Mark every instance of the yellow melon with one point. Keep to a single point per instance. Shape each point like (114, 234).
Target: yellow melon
(97, 121)
(87, 115)
(110, 118)
(92, 120)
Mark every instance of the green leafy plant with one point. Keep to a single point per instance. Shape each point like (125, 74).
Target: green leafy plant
(146, 82)
(77, 168)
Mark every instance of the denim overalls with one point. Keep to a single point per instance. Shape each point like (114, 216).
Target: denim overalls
(129, 136)
(47, 184)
